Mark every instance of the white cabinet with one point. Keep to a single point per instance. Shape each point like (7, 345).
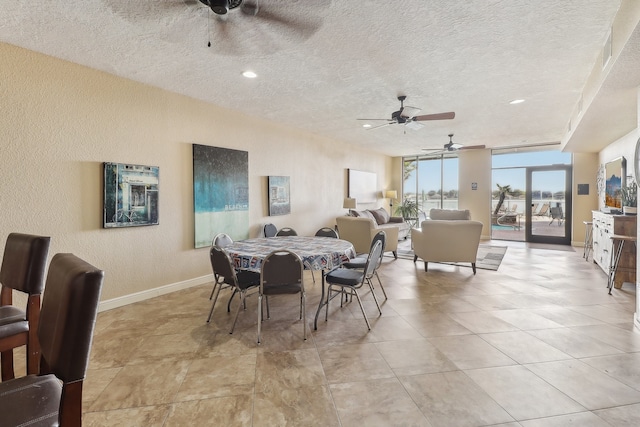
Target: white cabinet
(604, 226)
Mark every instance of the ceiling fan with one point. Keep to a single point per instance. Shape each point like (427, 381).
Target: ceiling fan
(452, 146)
(407, 116)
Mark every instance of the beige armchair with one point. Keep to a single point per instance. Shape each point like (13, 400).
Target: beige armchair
(447, 240)
(360, 231)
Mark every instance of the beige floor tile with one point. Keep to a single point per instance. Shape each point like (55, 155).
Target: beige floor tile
(453, 399)
(153, 384)
(522, 394)
(435, 324)
(148, 416)
(573, 343)
(525, 319)
(523, 347)
(217, 377)
(580, 419)
(95, 382)
(228, 411)
(304, 406)
(623, 367)
(413, 357)
(470, 352)
(586, 385)
(482, 322)
(382, 403)
(288, 369)
(354, 362)
(621, 416)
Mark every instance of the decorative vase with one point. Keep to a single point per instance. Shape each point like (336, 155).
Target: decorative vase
(630, 210)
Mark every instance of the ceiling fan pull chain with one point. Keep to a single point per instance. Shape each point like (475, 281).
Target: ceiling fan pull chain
(209, 27)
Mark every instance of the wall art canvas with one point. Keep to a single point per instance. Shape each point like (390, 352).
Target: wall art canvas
(279, 196)
(220, 193)
(615, 179)
(130, 195)
(363, 186)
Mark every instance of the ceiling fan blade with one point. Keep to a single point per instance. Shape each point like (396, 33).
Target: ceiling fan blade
(472, 147)
(438, 116)
(380, 126)
(374, 119)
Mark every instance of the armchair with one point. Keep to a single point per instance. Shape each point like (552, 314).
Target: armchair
(361, 230)
(447, 240)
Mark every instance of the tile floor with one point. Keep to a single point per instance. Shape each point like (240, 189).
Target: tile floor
(536, 343)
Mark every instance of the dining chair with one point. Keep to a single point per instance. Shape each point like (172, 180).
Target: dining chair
(282, 273)
(243, 281)
(222, 240)
(23, 269)
(270, 230)
(65, 332)
(327, 232)
(347, 281)
(360, 261)
(286, 231)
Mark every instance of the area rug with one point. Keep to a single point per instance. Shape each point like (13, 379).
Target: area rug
(489, 256)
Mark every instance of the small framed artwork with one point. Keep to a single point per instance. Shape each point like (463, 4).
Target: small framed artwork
(130, 195)
(279, 196)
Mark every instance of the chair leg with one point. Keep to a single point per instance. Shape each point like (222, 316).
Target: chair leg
(381, 287)
(415, 258)
(71, 405)
(229, 303)
(426, 267)
(374, 296)
(395, 254)
(303, 302)
(473, 266)
(362, 309)
(259, 316)
(216, 289)
(235, 319)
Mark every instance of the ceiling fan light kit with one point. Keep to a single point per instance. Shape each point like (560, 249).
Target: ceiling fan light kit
(221, 7)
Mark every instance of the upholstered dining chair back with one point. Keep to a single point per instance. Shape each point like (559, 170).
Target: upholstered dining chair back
(282, 273)
(222, 240)
(286, 231)
(327, 232)
(270, 230)
(68, 316)
(23, 269)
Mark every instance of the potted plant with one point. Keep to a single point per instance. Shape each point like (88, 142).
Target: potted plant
(408, 209)
(630, 199)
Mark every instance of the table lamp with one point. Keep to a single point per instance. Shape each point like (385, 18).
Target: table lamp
(349, 203)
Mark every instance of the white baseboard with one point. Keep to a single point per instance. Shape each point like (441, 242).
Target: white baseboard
(152, 293)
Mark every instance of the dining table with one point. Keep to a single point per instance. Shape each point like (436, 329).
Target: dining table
(317, 253)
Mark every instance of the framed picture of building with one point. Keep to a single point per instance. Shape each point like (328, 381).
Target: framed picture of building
(220, 193)
(130, 195)
(279, 196)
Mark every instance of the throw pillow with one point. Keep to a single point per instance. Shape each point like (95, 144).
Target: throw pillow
(380, 215)
(366, 214)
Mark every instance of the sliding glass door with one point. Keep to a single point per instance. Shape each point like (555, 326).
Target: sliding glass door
(549, 198)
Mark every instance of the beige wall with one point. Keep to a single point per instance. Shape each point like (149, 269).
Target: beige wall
(60, 121)
(585, 168)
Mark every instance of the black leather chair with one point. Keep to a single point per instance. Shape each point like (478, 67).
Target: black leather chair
(221, 240)
(327, 232)
(23, 269)
(359, 262)
(67, 320)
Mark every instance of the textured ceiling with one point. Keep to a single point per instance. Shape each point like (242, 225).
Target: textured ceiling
(322, 64)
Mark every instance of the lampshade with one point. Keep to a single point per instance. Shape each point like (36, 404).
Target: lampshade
(391, 194)
(349, 203)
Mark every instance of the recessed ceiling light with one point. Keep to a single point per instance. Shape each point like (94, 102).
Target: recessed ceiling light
(366, 125)
(516, 101)
(250, 74)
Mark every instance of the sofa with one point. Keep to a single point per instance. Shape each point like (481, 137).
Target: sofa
(447, 236)
(384, 220)
(359, 230)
